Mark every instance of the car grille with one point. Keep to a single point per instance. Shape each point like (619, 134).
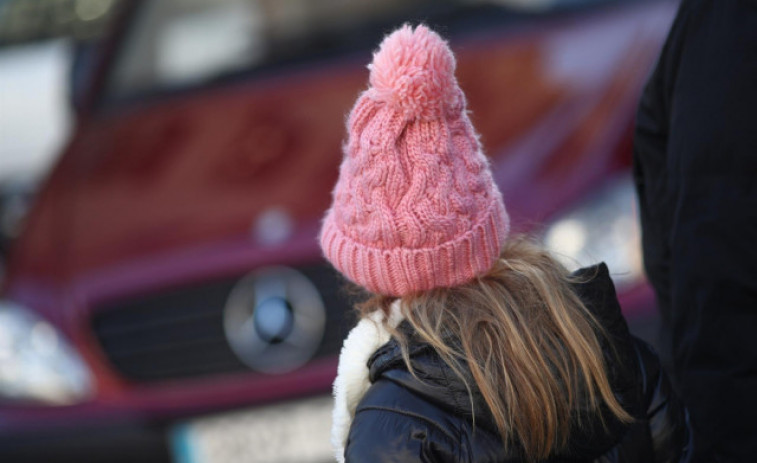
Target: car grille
(180, 333)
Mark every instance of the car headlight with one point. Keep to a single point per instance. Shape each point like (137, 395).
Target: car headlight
(36, 362)
(603, 228)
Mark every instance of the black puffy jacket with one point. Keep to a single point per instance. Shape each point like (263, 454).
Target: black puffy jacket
(403, 419)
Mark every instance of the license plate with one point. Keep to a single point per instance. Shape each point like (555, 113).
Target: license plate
(295, 432)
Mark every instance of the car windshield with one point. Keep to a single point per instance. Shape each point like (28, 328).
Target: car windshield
(179, 44)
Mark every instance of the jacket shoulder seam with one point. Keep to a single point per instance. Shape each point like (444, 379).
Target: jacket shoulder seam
(409, 414)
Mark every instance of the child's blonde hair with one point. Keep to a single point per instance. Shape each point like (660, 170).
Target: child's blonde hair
(530, 344)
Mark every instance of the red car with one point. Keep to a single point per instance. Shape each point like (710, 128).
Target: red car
(167, 298)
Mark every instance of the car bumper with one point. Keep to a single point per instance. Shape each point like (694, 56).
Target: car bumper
(91, 443)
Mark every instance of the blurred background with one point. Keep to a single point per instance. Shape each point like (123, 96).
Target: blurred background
(37, 43)
(164, 166)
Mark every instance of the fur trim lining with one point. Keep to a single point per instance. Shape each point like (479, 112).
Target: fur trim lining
(352, 379)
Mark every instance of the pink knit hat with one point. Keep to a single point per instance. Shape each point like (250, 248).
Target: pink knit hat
(415, 207)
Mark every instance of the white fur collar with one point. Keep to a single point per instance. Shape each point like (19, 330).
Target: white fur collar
(352, 374)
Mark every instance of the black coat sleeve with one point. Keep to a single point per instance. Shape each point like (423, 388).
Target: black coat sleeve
(393, 426)
(651, 162)
(666, 416)
(384, 436)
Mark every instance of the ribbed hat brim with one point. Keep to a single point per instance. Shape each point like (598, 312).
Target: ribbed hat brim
(403, 271)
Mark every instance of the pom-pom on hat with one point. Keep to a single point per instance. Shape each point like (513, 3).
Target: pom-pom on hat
(415, 206)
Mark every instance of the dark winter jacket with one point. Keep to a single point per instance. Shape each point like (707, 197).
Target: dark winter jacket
(403, 419)
(695, 166)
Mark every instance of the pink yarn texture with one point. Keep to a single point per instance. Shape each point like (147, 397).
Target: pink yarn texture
(415, 206)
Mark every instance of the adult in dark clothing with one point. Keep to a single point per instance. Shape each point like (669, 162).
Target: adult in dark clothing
(696, 175)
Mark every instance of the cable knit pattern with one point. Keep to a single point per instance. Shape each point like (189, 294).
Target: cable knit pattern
(415, 206)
